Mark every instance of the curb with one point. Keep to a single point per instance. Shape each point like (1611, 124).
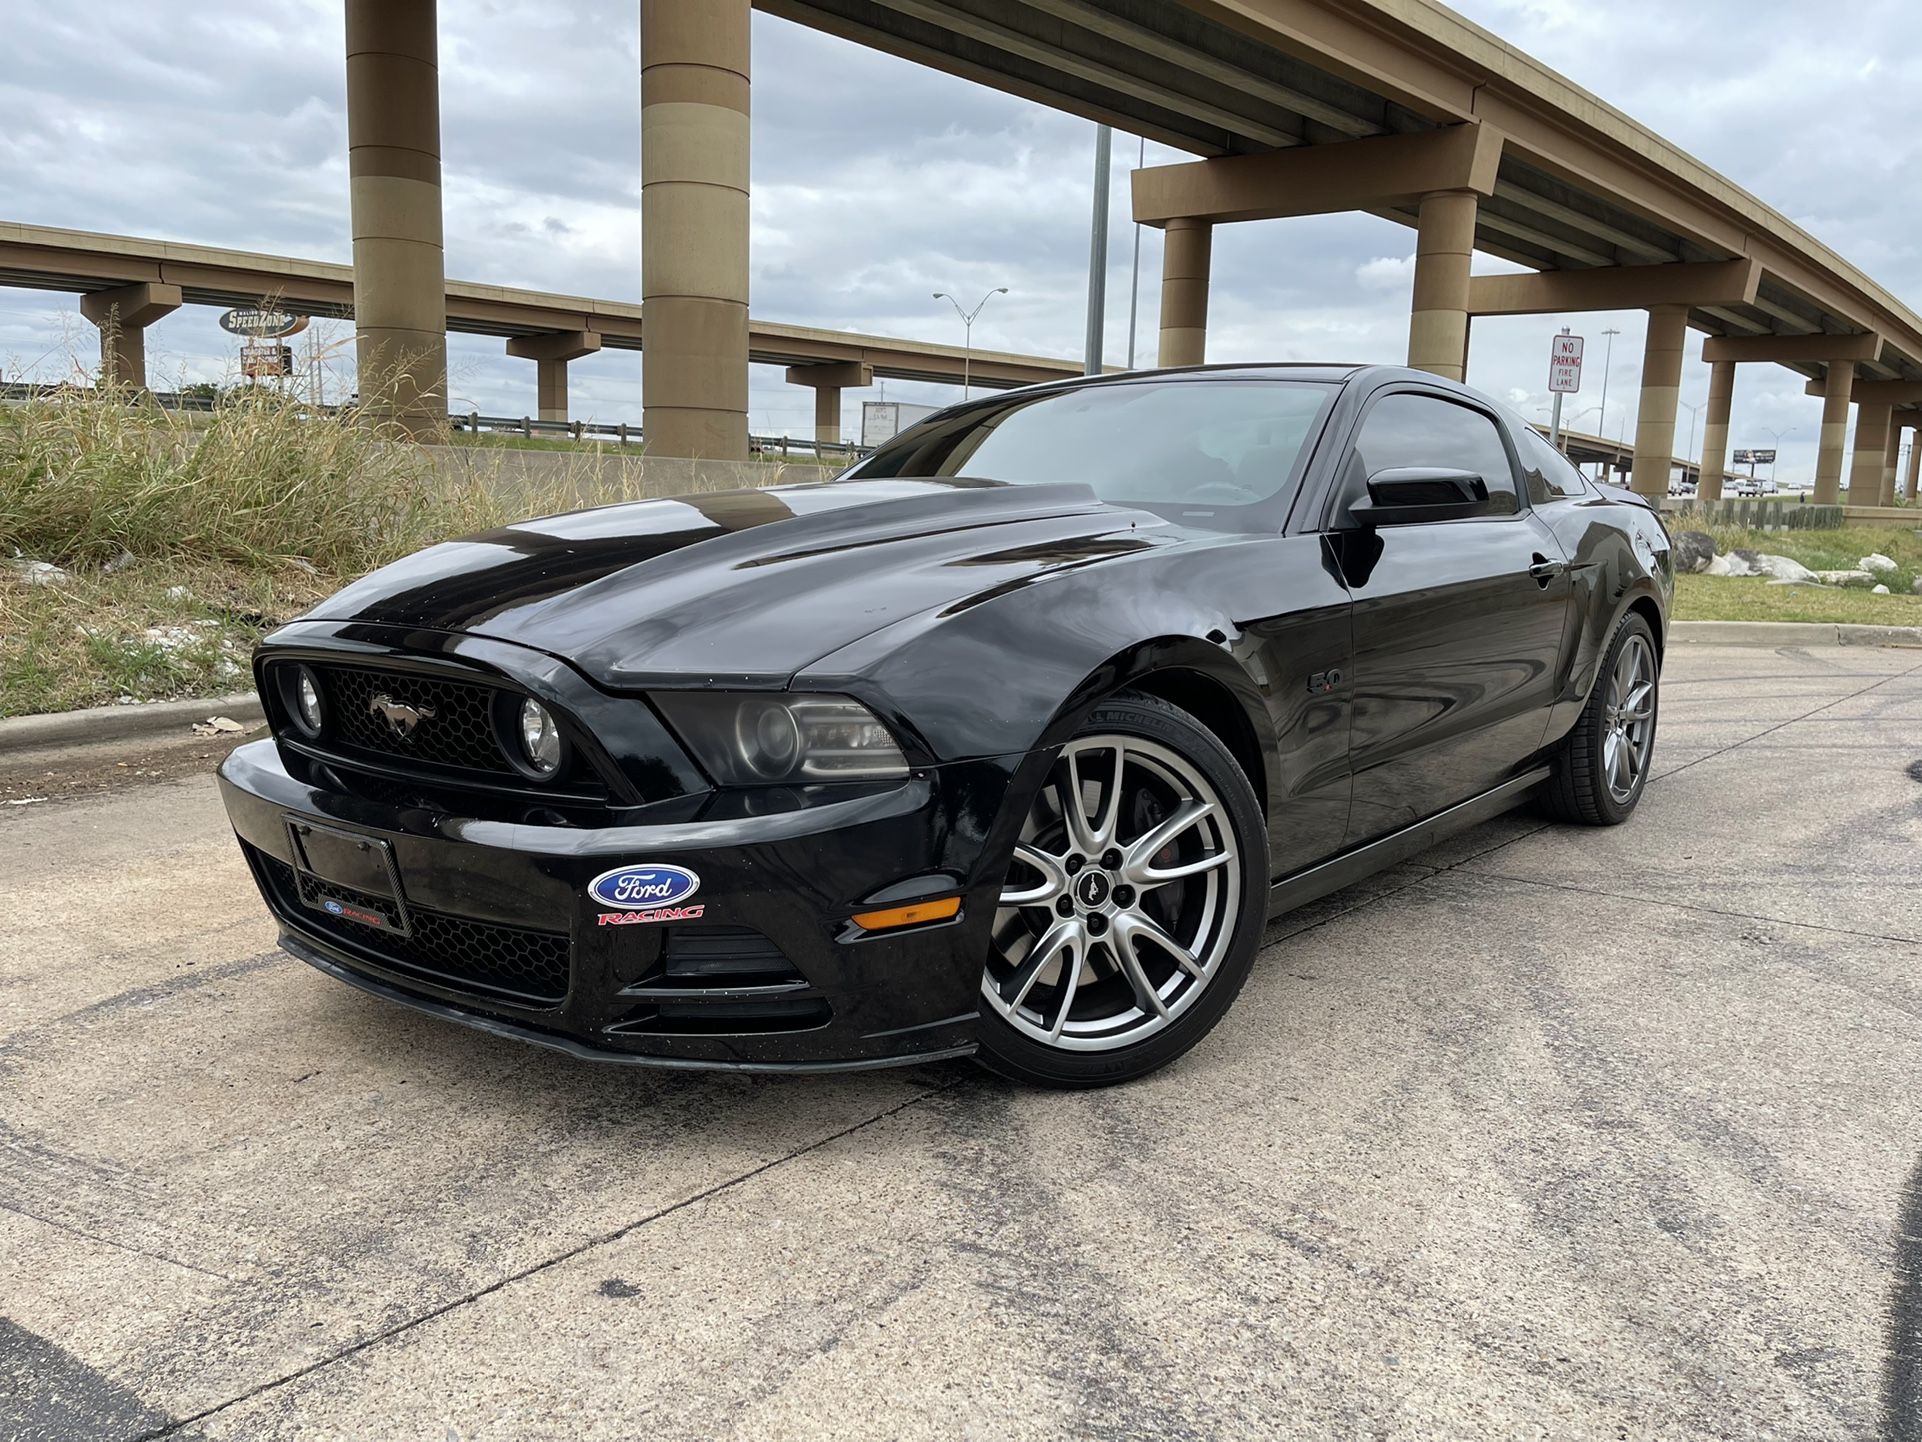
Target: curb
(121, 723)
(1793, 633)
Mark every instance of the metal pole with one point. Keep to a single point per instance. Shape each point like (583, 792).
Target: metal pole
(1608, 357)
(967, 354)
(1555, 423)
(1098, 251)
(1134, 271)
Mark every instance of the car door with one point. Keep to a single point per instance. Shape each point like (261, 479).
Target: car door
(1458, 623)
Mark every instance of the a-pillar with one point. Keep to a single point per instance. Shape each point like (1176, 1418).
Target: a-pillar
(828, 381)
(1871, 444)
(1721, 396)
(393, 165)
(1661, 387)
(694, 226)
(123, 315)
(1186, 253)
(1836, 386)
(1444, 252)
(550, 354)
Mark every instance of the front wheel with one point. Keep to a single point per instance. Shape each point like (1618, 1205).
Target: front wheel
(1133, 906)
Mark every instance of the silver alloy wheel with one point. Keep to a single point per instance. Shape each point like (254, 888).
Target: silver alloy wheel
(1629, 720)
(1122, 899)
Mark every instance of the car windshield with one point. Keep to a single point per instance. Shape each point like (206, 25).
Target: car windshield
(1218, 454)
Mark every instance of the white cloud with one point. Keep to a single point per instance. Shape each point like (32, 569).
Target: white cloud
(1386, 272)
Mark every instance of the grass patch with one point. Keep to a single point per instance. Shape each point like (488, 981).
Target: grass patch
(1751, 598)
(151, 631)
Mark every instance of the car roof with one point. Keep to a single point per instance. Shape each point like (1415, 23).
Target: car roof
(1324, 372)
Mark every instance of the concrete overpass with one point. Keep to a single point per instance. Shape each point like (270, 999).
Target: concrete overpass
(1397, 107)
(128, 282)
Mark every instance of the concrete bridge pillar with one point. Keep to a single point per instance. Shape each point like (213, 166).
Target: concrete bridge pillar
(550, 354)
(123, 315)
(694, 226)
(1871, 445)
(1444, 250)
(827, 382)
(1186, 255)
(1915, 457)
(393, 165)
(1721, 397)
(1891, 455)
(1661, 387)
(1839, 382)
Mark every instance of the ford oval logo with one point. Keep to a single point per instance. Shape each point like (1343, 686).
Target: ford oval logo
(640, 887)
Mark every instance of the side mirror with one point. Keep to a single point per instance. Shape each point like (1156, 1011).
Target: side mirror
(1407, 494)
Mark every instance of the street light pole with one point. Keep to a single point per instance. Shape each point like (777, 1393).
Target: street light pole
(1693, 411)
(1775, 436)
(967, 330)
(1608, 357)
(1134, 271)
(1098, 250)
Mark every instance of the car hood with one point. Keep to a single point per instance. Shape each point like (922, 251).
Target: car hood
(742, 588)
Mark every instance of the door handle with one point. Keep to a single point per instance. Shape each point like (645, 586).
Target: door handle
(1545, 570)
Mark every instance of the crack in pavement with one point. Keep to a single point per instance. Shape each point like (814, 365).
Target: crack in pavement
(72, 1230)
(387, 1334)
(1771, 730)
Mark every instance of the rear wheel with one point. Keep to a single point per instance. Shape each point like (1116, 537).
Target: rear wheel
(1602, 764)
(1133, 905)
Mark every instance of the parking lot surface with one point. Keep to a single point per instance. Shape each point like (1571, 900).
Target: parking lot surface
(1552, 1132)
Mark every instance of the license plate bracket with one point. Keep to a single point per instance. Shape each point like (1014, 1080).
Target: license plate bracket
(348, 875)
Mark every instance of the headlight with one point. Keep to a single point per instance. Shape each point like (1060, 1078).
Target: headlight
(540, 739)
(761, 740)
(304, 696)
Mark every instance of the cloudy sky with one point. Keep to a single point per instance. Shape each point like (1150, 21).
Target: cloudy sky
(876, 183)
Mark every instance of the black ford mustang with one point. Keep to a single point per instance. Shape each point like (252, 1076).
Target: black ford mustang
(1007, 742)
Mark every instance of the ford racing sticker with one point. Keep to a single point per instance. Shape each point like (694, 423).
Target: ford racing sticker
(654, 887)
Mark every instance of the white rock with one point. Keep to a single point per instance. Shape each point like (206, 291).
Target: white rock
(1847, 578)
(1729, 564)
(1783, 568)
(178, 593)
(1879, 591)
(1877, 562)
(38, 573)
(1917, 587)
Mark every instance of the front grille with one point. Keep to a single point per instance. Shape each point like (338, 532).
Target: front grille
(459, 733)
(509, 961)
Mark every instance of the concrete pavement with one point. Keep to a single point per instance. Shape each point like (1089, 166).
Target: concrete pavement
(1551, 1133)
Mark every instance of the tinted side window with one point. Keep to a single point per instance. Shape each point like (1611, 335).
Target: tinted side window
(1549, 473)
(1406, 429)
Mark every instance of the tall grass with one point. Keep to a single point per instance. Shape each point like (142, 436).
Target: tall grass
(260, 480)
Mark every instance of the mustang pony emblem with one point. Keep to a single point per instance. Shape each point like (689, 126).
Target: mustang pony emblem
(400, 717)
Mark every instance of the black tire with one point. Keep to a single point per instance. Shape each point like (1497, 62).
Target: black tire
(1580, 790)
(1232, 939)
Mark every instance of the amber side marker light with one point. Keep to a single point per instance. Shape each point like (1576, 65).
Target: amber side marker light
(913, 915)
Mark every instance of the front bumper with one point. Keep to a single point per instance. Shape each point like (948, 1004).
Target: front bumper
(497, 928)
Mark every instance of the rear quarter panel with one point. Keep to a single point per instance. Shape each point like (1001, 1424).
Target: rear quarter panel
(1618, 551)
